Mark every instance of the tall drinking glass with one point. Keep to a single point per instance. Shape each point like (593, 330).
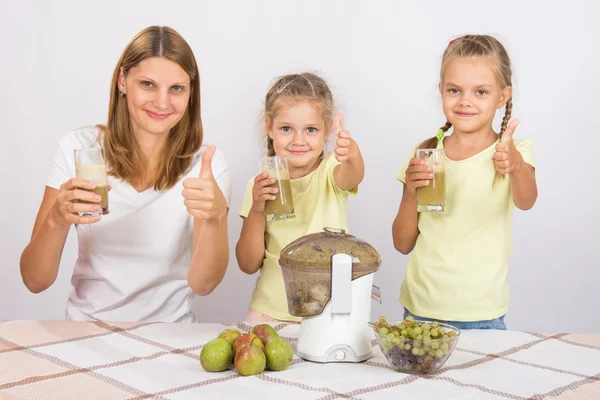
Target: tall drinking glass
(432, 198)
(90, 165)
(283, 205)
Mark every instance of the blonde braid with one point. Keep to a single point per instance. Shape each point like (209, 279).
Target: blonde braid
(505, 120)
(507, 115)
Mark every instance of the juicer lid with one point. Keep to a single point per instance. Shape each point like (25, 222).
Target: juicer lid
(313, 252)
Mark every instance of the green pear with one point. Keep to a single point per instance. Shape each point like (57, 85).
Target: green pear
(230, 335)
(246, 338)
(250, 358)
(265, 333)
(216, 355)
(279, 354)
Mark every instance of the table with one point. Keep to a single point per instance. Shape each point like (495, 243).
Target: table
(96, 360)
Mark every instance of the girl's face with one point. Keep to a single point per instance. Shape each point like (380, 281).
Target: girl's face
(471, 94)
(157, 92)
(299, 133)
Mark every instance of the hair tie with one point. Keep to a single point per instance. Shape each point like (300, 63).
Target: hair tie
(439, 134)
(282, 88)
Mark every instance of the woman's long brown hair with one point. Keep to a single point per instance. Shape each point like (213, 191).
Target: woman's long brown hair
(122, 152)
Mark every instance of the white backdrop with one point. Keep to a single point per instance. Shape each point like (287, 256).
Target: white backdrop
(381, 59)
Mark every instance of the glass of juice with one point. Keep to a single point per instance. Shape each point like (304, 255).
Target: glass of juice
(90, 165)
(432, 198)
(283, 205)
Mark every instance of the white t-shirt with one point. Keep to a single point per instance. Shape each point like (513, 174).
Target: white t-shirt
(133, 264)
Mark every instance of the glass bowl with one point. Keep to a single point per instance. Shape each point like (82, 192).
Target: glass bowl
(415, 347)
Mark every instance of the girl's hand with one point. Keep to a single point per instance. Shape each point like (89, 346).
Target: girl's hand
(344, 142)
(261, 192)
(507, 158)
(418, 174)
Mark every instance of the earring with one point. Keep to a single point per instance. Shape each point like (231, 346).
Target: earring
(121, 94)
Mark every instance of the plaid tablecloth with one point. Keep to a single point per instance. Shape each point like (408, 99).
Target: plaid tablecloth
(78, 360)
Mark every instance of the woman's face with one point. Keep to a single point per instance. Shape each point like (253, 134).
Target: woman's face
(157, 92)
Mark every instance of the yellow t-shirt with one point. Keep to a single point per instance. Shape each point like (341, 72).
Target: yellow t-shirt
(318, 203)
(457, 271)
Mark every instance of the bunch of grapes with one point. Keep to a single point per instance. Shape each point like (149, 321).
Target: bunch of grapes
(415, 347)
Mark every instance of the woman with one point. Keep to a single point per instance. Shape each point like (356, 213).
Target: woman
(166, 235)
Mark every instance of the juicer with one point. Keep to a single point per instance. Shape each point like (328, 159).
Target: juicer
(328, 279)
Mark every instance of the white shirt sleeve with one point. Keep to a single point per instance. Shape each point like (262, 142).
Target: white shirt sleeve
(63, 166)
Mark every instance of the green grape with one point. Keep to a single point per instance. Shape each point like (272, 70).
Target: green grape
(386, 346)
(424, 341)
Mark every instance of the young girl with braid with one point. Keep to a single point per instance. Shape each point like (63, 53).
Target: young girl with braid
(457, 271)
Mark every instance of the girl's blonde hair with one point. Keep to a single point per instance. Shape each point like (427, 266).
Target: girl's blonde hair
(122, 152)
(478, 46)
(298, 87)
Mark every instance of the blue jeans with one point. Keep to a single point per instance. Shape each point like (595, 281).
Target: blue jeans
(497, 323)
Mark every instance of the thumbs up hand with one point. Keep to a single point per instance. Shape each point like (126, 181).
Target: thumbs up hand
(202, 196)
(343, 141)
(507, 158)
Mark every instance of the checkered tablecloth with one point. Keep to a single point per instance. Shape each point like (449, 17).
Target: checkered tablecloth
(79, 360)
